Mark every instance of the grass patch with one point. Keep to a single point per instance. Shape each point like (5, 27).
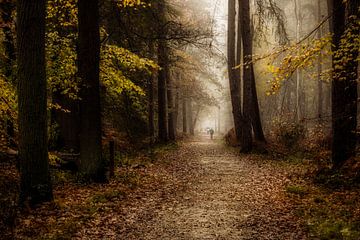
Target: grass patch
(129, 178)
(328, 214)
(163, 148)
(296, 190)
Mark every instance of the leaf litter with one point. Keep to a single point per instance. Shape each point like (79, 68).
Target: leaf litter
(201, 190)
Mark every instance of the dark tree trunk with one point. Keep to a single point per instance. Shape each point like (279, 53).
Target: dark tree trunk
(255, 117)
(219, 120)
(170, 103)
(151, 108)
(190, 116)
(244, 14)
(244, 17)
(234, 78)
(35, 184)
(184, 114)
(151, 96)
(163, 62)
(237, 81)
(177, 103)
(330, 7)
(344, 87)
(234, 57)
(91, 162)
(162, 103)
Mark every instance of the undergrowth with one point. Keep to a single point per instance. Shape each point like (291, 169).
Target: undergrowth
(328, 203)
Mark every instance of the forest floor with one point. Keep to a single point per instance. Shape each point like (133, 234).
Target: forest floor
(198, 189)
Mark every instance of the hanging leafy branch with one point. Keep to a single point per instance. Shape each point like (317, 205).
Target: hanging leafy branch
(7, 99)
(61, 64)
(296, 56)
(119, 65)
(132, 3)
(305, 55)
(349, 48)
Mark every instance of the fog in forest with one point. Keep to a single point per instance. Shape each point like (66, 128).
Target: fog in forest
(298, 97)
(179, 119)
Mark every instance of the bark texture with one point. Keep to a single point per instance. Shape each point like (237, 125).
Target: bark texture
(151, 108)
(163, 63)
(91, 161)
(184, 114)
(170, 104)
(190, 117)
(344, 87)
(244, 20)
(234, 77)
(35, 184)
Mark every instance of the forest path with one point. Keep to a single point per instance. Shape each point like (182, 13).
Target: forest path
(228, 197)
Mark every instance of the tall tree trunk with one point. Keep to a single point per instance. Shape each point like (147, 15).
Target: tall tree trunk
(151, 108)
(177, 103)
(219, 120)
(244, 15)
(330, 7)
(35, 184)
(236, 74)
(194, 122)
(151, 96)
(255, 117)
(91, 162)
(190, 116)
(298, 75)
(170, 103)
(234, 78)
(184, 113)
(163, 62)
(344, 85)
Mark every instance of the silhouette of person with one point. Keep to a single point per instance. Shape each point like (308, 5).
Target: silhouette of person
(211, 133)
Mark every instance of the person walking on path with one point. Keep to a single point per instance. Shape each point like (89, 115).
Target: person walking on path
(211, 133)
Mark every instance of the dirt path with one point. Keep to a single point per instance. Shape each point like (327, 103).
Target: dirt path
(227, 197)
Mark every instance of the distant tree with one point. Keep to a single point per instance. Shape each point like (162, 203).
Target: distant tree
(190, 117)
(320, 99)
(184, 113)
(91, 162)
(35, 184)
(345, 76)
